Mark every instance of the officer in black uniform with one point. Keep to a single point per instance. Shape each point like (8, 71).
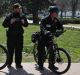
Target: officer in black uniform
(15, 22)
(50, 24)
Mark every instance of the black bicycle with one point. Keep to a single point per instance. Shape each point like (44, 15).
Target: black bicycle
(62, 58)
(3, 57)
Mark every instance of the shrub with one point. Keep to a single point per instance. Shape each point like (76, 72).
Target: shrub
(70, 20)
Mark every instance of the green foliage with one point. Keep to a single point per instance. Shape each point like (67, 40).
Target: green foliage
(70, 20)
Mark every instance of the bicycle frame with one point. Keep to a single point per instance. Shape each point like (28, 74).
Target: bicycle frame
(54, 45)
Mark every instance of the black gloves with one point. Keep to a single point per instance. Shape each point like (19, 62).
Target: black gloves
(58, 33)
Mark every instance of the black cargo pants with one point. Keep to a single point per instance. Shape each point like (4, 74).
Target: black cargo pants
(42, 43)
(15, 45)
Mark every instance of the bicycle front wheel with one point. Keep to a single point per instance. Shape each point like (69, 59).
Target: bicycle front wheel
(63, 61)
(3, 57)
(35, 53)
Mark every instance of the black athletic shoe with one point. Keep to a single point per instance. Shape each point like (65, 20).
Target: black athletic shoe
(53, 67)
(19, 66)
(40, 64)
(41, 68)
(9, 66)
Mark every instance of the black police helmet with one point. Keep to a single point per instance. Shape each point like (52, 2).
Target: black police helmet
(52, 9)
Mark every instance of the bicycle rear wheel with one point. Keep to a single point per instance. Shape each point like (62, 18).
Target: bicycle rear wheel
(63, 61)
(3, 57)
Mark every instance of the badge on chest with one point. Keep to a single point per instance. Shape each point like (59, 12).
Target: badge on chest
(48, 25)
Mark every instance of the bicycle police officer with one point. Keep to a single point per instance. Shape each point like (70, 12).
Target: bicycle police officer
(50, 24)
(15, 22)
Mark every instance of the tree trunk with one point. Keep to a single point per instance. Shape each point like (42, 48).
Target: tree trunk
(61, 13)
(73, 13)
(65, 14)
(35, 17)
(74, 7)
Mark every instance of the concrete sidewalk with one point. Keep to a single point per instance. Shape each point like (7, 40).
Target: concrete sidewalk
(32, 69)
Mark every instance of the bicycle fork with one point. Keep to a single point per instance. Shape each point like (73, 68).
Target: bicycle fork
(58, 57)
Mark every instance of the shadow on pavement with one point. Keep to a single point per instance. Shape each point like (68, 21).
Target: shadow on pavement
(45, 71)
(13, 71)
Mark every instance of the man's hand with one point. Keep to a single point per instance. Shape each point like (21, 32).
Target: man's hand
(12, 20)
(57, 34)
(47, 32)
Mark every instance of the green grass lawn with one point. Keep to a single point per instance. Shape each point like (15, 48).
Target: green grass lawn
(70, 41)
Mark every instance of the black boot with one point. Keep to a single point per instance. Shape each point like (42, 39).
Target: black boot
(9, 66)
(40, 64)
(53, 67)
(19, 66)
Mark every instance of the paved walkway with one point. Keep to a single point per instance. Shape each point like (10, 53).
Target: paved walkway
(32, 69)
